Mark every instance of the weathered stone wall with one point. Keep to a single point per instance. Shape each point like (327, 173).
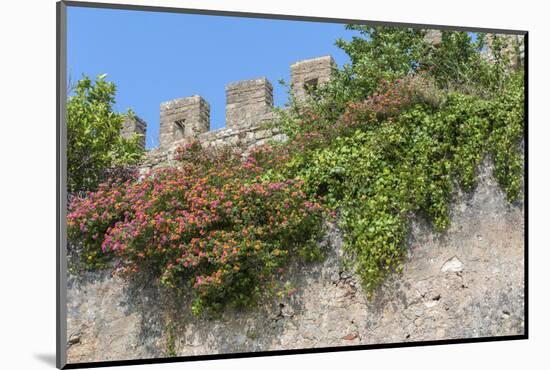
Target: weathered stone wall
(246, 137)
(247, 102)
(467, 282)
(183, 118)
(310, 73)
(249, 106)
(134, 126)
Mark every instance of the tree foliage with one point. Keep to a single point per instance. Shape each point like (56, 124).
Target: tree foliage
(94, 143)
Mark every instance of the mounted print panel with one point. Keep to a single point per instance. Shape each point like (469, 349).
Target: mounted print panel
(240, 184)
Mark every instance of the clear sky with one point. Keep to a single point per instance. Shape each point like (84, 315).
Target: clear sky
(155, 57)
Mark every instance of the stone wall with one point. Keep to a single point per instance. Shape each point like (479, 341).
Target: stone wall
(308, 74)
(247, 102)
(246, 137)
(134, 126)
(467, 282)
(249, 105)
(183, 118)
(248, 111)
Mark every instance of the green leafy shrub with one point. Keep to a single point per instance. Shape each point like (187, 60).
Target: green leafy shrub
(391, 134)
(94, 143)
(507, 118)
(379, 169)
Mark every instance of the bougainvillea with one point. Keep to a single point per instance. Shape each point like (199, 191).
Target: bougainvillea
(213, 223)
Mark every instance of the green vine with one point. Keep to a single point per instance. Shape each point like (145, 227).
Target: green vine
(171, 341)
(384, 171)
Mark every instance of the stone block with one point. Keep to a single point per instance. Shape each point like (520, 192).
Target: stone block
(134, 126)
(183, 118)
(247, 102)
(307, 74)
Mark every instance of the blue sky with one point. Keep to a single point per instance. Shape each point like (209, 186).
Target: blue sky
(155, 57)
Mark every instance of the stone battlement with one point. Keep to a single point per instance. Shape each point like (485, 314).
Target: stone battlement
(249, 105)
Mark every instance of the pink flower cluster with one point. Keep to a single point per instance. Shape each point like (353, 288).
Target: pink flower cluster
(214, 219)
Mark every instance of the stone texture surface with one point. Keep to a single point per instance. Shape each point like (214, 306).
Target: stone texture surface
(183, 118)
(309, 73)
(244, 137)
(249, 105)
(247, 102)
(134, 126)
(105, 321)
(467, 282)
(433, 37)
